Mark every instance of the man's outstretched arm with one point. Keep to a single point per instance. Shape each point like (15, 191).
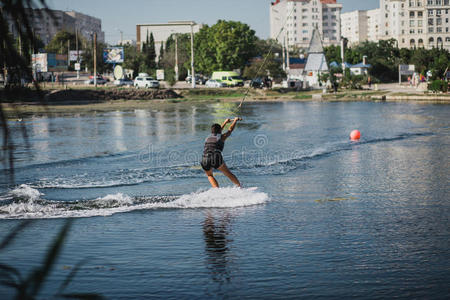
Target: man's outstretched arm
(225, 123)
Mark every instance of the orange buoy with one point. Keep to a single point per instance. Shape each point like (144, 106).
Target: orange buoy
(355, 135)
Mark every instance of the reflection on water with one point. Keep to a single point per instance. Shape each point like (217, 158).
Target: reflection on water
(216, 232)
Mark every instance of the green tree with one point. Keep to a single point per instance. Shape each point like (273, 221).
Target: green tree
(227, 45)
(58, 44)
(260, 68)
(133, 59)
(167, 61)
(148, 64)
(88, 58)
(333, 53)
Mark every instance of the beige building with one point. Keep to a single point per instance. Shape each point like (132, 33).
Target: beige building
(413, 23)
(46, 25)
(161, 32)
(292, 22)
(373, 24)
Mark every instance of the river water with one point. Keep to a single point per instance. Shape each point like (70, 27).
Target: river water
(319, 216)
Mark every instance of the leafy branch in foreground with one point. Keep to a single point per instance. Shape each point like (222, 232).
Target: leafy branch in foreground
(29, 287)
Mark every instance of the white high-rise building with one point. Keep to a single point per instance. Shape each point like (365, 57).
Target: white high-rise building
(354, 26)
(292, 22)
(412, 23)
(373, 24)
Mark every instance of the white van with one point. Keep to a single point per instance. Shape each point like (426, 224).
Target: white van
(145, 82)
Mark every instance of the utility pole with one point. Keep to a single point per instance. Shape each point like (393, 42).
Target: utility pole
(287, 53)
(283, 52)
(68, 52)
(192, 56)
(78, 52)
(343, 56)
(95, 59)
(176, 57)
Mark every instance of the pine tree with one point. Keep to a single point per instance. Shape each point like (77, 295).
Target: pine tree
(161, 55)
(151, 53)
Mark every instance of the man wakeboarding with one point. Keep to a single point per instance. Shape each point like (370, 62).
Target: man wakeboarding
(212, 154)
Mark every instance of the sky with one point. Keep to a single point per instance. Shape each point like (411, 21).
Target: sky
(120, 15)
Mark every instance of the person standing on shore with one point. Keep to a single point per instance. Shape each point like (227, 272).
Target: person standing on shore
(212, 153)
(369, 82)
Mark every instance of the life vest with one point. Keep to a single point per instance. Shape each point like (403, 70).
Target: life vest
(213, 144)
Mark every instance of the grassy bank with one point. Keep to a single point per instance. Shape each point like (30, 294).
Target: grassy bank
(27, 101)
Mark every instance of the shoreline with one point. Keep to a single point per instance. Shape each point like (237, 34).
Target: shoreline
(73, 100)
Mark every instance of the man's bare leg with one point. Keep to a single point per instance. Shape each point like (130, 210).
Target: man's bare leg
(224, 169)
(211, 179)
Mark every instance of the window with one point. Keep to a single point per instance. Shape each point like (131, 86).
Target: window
(430, 12)
(411, 3)
(411, 31)
(325, 9)
(430, 2)
(419, 23)
(411, 23)
(419, 14)
(430, 21)
(430, 29)
(438, 11)
(438, 2)
(438, 21)
(439, 29)
(419, 3)
(412, 14)
(420, 30)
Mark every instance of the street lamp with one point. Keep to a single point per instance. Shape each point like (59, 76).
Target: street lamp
(192, 56)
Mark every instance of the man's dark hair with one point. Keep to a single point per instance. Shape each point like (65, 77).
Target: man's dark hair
(216, 129)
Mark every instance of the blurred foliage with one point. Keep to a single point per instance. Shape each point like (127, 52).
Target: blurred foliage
(30, 286)
(438, 86)
(385, 57)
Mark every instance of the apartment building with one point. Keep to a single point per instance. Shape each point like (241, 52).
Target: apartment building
(421, 23)
(413, 23)
(46, 23)
(292, 22)
(87, 25)
(354, 26)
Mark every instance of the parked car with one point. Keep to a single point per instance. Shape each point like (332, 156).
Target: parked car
(100, 80)
(199, 79)
(145, 82)
(259, 83)
(228, 77)
(124, 82)
(215, 84)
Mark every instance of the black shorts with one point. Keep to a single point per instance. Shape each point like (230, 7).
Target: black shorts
(214, 160)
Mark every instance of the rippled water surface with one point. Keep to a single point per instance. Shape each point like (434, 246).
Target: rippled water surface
(319, 216)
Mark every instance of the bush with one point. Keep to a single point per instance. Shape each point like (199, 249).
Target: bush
(170, 77)
(438, 86)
